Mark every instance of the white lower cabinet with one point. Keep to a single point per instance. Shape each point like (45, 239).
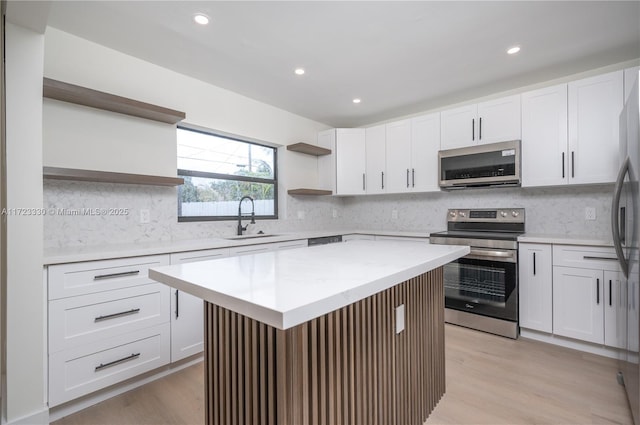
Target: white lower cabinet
(107, 322)
(358, 237)
(587, 294)
(90, 367)
(187, 311)
(535, 289)
(578, 304)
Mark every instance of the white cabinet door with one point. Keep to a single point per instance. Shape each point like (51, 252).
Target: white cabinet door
(375, 152)
(578, 303)
(187, 311)
(458, 128)
(544, 137)
(327, 163)
(425, 144)
(398, 156)
(536, 288)
(498, 120)
(630, 77)
(615, 304)
(350, 161)
(594, 108)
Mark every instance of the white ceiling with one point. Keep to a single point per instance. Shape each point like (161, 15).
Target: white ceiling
(398, 57)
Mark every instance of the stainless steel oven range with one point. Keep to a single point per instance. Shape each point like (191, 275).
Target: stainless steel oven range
(481, 288)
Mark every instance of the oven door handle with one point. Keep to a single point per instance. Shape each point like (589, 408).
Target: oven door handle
(492, 254)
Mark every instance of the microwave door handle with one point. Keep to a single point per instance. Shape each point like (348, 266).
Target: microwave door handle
(473, 129)
(615, 224)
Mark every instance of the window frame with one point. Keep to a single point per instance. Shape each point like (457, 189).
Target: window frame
(219, 176)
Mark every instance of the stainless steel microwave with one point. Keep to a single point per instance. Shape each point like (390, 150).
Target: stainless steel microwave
(494, 164)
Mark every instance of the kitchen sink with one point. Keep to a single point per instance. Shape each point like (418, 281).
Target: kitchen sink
(235, 238)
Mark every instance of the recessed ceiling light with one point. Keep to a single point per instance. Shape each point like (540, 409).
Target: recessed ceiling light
(513, 50)
(356, 100)
(299, 71)
(201, 19)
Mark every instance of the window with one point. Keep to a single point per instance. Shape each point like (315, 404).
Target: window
(218, 171)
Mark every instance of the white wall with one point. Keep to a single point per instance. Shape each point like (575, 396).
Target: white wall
(25, 313)
(87, 138)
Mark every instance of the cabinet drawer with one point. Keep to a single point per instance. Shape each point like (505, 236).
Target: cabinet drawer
(250, 249)
(88, 318)
(79, 371)
(290, 244)
(585, 257)
(67, 280)
(201, 255)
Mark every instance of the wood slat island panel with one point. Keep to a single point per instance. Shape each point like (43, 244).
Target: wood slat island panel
(346, 367)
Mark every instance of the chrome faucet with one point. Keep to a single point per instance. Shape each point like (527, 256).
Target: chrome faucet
(253, 215)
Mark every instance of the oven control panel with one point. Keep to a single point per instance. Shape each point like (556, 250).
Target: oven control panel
(505, 215)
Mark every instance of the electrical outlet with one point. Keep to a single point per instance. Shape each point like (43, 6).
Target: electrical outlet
(300, 215)
(145, 216)
(399, 318)
(394, 214)
(589, 213)
(335, 213)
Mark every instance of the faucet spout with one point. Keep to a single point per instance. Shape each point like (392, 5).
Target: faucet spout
(241, 228)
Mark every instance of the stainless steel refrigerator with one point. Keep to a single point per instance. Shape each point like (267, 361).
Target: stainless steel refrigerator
(625, 228)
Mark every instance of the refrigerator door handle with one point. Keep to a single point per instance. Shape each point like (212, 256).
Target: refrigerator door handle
(615, 222)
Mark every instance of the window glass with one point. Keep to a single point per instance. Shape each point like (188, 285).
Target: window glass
(220, 170)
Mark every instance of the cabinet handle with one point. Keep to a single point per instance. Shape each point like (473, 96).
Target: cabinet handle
(177, 304)
(562, 164)
(573, 164)
(413, 177)
(610, 293)
(597, 291)
(117, 362)
(473, 129)
(480, 130)
(382, 180)
(407, 177)
(363, 181)
(595, 257)
(116, 315)
(534, 263)
(113, 275)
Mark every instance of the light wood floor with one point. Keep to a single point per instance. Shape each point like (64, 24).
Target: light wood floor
(490, 380)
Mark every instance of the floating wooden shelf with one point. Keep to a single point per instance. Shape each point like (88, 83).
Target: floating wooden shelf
(309, 149)
(313, 192)
(55, 173)
(71, 93)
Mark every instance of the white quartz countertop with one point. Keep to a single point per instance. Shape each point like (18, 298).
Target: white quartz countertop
(105, 252)
(565, 239)
(286, 288)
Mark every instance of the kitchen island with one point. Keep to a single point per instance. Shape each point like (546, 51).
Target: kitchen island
(342, 333)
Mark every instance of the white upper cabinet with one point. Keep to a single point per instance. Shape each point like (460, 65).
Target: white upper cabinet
(425, 144)
(594, 108)
(499, 120)
(375, 153)
(399, 155)
(630, 77)
(487, 122)
(458, 128)
(544, 137)
(570, 132)
(350, 161)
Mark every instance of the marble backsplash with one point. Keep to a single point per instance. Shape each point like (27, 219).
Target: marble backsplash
(548, 210)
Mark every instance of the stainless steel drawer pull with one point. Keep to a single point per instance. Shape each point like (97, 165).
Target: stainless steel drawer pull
(590, 257)
(103, 366)
(116, 315)
(114, 275)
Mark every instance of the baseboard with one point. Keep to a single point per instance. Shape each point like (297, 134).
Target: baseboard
(38, 418)
(89, 400)
(587, 347)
